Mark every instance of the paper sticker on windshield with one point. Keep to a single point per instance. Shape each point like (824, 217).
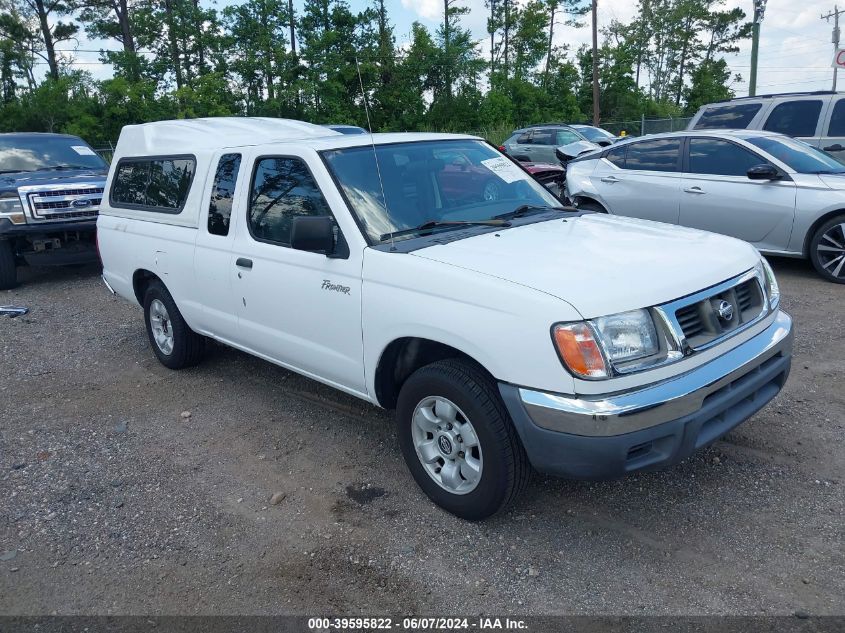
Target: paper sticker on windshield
(504, 169)
(82, 150)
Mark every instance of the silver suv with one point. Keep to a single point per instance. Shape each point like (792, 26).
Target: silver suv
(818, 118)
(538, 144)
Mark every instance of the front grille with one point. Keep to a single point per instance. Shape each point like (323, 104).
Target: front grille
(53, 204)
(714, 317)
(54, 193)
(74, 215)
(63, 204)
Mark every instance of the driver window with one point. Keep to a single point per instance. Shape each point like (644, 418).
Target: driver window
(282, 188)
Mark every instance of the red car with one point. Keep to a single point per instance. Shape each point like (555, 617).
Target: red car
(460, 170)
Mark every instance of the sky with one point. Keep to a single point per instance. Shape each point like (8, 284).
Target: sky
(795, 44)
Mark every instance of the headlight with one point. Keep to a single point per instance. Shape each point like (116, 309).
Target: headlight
(10, 207)
(588, 349)
(628, 336)
(772, 289)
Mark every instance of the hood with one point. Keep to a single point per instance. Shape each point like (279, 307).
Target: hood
(567, 152)
(602, 264)
(24, 178)
(834, 181)
(535, 167)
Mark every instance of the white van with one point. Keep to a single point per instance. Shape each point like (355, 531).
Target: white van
(817, 118)
(507, 332)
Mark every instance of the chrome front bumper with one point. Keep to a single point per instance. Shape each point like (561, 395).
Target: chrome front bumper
(676, 398)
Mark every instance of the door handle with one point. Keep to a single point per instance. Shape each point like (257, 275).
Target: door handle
(694, 190)
(834, 148)
(243, 262)
(610, 179)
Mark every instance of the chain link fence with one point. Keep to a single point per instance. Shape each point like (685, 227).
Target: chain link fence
(647, 126)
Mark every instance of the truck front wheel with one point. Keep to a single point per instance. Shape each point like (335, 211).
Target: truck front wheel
(173, 342)
(458, 440)
(8, 270)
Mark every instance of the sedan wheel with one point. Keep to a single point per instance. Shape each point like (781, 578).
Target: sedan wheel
(827, 250)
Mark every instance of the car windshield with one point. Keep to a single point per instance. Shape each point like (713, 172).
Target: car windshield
(796, 154)
(594, 133)
(40, 153)
(431, 181)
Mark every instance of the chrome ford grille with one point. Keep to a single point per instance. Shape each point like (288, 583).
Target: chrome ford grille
(52, 203)
(705, 318)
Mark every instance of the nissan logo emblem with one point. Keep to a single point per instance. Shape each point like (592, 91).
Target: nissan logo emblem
(726, 311)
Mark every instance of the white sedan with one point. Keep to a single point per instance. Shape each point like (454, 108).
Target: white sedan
(781, 195)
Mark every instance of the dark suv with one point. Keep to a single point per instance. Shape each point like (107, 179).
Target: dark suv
(50, 191)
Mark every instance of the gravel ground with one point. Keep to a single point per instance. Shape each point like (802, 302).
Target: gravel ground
(126, 488)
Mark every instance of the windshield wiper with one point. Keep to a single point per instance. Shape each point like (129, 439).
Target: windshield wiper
(14, 171)
(60, 167)
(434, 224)
(525, 208)
(828, 172)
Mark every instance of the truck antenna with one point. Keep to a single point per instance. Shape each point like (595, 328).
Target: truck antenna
(373, 143)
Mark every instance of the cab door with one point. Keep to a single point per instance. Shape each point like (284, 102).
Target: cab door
(718, 196)
(298, 308)
(222, 202)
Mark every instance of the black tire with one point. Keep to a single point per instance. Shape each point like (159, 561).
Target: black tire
(585, 204)
(506, 470)
(828, 263)
(187, 345)
(8, 270)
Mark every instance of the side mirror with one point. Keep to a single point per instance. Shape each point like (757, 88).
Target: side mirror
(315, 234)
(764, 172)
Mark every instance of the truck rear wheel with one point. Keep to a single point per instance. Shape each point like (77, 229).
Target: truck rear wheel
(458, 440)
(173, 342)
(8, 270)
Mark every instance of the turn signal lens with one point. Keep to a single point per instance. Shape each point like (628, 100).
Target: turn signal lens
(579, 349)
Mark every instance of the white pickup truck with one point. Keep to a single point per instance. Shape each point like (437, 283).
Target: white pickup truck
(431, 274)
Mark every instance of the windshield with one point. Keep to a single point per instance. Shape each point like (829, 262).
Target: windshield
(38, 153)
(798, 155)
(594, 133)
(431, 181)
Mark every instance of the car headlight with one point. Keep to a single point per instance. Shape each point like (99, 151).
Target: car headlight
(772, 288)
(628, 336)
(588, 349)
(10, 207)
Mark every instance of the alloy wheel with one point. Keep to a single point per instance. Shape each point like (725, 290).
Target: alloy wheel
(831, 250)
(447, 445)
(161, 326)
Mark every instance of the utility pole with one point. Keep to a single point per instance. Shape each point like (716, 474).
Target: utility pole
(835, 37)
(759, 11)
(596, 113)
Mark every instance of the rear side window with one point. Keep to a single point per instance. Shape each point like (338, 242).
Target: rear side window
(657, 155)
(222, 194)
(282, 188)
(153, 184)
(524, 139)
(565, 137)
(837, 120)
(794, 118)
(722, 158)
(544, 137)
(736, 116)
